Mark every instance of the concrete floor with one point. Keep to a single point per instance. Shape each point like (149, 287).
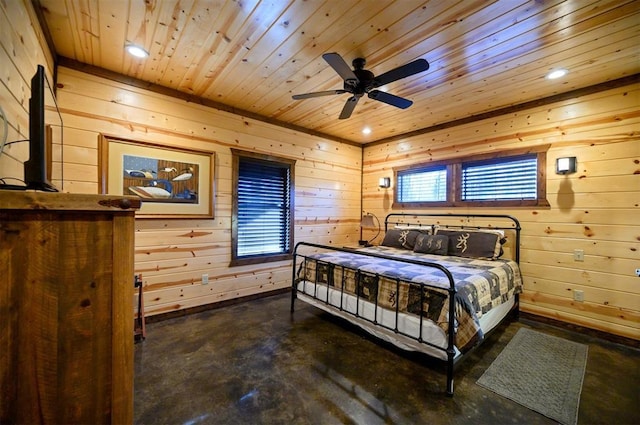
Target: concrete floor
(254, 363)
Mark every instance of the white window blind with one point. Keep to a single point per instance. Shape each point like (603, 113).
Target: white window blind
(263, 208)
(422, 185)
(513, 178)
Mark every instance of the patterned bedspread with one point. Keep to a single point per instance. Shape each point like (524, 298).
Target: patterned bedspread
(480, 284)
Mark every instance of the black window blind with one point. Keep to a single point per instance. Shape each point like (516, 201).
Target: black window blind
(263, 208)
(500, 179)
(423, 185)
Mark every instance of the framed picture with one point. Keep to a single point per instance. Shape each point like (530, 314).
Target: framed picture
(171, 182)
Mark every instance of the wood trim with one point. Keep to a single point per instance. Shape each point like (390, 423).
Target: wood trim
(156, 88)
(104, 73)
(213, 306)
(19, 200)
(584, 91)
(38, 10)
(579, 329)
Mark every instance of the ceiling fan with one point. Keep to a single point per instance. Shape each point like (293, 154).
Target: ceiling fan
(360, 81)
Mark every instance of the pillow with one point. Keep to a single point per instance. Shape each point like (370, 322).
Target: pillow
(432, 244)
(474, 243)
(401, 238)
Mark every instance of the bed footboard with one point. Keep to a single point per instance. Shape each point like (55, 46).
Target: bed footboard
(366, 296)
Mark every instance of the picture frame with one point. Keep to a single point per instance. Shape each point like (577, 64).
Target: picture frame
(171, 182)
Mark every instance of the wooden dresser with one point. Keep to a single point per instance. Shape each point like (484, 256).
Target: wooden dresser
(66, 308)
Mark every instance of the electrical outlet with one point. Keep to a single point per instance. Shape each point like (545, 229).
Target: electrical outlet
(205, 279)
(638, 272)
(578, 295)
(578, 255)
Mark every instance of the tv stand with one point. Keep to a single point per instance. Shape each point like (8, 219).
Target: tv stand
(66, 298)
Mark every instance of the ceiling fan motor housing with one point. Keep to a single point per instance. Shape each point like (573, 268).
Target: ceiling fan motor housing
(365, 78)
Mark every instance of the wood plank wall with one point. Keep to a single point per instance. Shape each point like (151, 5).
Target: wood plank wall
(173, 254)
(22, 48)
(595, 210)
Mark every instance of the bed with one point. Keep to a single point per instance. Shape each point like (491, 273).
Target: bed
(436, 284)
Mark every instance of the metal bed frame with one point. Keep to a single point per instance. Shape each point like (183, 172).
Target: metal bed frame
(406, 219)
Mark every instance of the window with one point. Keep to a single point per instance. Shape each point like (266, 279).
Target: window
(422, 184)
(262, 221)
(500, 179)
(513, 178)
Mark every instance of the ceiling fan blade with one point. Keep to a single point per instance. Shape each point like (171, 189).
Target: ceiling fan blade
(418, 65)
(317, 94)
(340, 66)
(390, 99)
(349, 107)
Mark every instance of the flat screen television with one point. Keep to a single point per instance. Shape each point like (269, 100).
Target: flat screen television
(36, 173)
(37, 166)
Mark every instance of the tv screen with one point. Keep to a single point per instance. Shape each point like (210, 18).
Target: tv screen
(36, 172)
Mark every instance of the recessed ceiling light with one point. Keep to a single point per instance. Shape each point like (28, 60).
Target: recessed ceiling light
(366, 130)
(137, 51)
(556, 73)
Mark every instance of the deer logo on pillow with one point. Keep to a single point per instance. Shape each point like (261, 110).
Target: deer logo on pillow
(462, 242)
(431, 241)
(403, 237)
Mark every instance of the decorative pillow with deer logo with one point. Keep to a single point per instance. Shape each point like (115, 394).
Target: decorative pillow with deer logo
(473, 243)
(432, 244)
(402, 238)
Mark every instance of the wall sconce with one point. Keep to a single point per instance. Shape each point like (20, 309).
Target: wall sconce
(384, 182)
(566, 165)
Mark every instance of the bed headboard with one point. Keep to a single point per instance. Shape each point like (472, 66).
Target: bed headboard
(509, 224)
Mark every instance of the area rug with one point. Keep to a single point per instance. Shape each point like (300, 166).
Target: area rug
(541, 372)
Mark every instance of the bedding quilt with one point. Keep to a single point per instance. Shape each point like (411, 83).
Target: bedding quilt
(480, 284)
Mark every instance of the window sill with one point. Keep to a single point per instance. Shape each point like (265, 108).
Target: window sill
(258, 259)
(481, 204)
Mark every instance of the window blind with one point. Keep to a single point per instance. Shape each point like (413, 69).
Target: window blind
(263, 208)
(423, 185)
(500, 179)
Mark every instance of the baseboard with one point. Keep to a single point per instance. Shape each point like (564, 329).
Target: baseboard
(522, 315)
(581, 329)
(205, 307)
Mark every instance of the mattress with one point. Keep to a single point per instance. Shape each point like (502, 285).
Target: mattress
(381, 289)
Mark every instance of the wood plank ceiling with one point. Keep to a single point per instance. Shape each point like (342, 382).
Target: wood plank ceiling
(253, 55)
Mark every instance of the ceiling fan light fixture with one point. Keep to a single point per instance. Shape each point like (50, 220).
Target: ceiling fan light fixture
(136, 51)
(557, 73)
